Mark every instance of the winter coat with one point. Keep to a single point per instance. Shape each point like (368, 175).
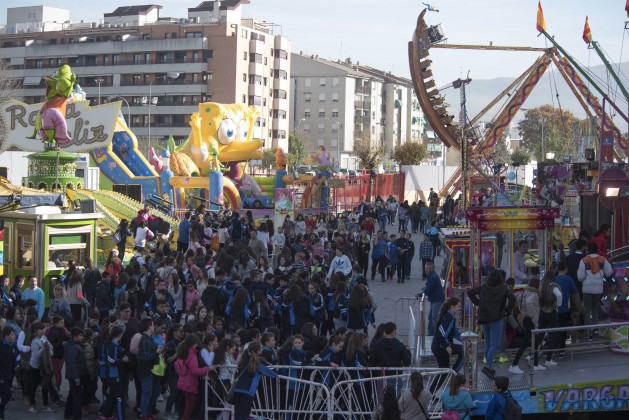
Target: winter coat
(189, 372)
(389, 352)
(75, 360)
(593, 282)
(494, 303)
(459, 402)
(529, 304)
(410, 408)
(90, 360)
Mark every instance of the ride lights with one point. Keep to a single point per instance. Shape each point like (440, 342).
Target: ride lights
(435, 34)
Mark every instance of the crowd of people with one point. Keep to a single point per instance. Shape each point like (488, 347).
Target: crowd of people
(234, 297)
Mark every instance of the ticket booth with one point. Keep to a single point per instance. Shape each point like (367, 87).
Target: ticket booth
(40, 241)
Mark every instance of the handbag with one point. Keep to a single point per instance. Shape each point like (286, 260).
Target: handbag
(230, 396)
(159, 369)
(422, 407)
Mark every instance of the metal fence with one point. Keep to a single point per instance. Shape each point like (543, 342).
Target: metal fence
(316, 392)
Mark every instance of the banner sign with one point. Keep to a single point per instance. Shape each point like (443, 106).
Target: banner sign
(90, 127)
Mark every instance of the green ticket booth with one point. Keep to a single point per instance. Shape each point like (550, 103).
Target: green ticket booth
(41, 240)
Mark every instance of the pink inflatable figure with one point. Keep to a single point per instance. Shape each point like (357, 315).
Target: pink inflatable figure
(156, 161)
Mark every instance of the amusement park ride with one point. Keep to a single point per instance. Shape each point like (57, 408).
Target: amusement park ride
(489, 239)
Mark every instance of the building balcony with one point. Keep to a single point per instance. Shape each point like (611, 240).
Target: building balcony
(283, 84)
(256, 89)
(281, 64)
(281, 43)
(365, 90)
(256, 68)
(256, 46)
(279, 103)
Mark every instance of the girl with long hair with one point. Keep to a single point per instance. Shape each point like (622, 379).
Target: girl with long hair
(443, 345)
(176, 292)
(59, 305)
(457, 398)
(121, 287)
(364, 246)
(261, 312)
(318, 303)
(550, 299)
(388, 409)
(341, 300)
(263, 265)
(528, 303)
(250, 371)
(74, 291)
(187, 367)
(359, 309)
(113, 265)
(124, 232)
(414, 402)
(237, 311)
(91, 278)
(225, 362)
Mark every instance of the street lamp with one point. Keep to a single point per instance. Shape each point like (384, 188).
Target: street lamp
(338, 143)
(170, 75)
(111, 98)
(99, 81)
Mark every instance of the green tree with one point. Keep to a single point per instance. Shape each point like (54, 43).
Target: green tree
(520, 157)
(296, 150)
(558, 127)
(369, 154)
(413, 152)
(268, 159)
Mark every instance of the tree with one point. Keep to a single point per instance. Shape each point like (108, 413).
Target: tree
(558, 126)
(369, 154)
(520, 157)
(9, 89)
(268, 159)
(296, 150)
(413, 152)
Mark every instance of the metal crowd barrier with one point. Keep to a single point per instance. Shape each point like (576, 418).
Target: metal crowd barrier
(315, 392)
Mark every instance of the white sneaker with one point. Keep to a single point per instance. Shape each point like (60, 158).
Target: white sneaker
(32, 410)
(528, 358)
(516, 370)
(539, 367)
(48, 409)
(159, 398)
(550, 363)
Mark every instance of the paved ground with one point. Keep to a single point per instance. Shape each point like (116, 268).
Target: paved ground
(393, 300)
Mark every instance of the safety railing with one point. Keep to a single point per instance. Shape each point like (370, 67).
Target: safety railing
(316, 392)
(587, 345)
(409, 317)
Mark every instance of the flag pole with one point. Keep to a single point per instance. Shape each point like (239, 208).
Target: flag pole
(610, 68)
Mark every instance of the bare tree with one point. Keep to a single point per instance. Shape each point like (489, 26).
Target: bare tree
(369, 154)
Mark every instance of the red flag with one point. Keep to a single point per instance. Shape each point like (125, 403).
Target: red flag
(627, 8)
(587, 34)
(541, 23)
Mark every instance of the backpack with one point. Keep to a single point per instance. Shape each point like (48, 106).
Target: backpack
(513, 411)
(117, 237)
(134, 346)
(215, 243)
(122, 297)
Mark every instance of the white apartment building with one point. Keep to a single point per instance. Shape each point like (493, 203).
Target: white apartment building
(168, 64)
(335, 103)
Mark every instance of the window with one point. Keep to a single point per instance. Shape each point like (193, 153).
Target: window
(244, 99)
(265, 61)
(322, 81)
(321, 128)
(307, 83)
(307, 97)
(146, 37)
(279, 93)
(207, 54)
(244, 77)
(335, 97)
(322, 97)
(335, 127)
(65, 246)
(306, 128)
(307, 112)
(280, 74)
(193, 34)
(137, 58)
(320, 142)
(321, 113)
(244, 33)
(335, 113)
(115, 58)
(25, 246)
(245, 55)
(335, 81)
(281, 54)
(255, 58)
(255, 80)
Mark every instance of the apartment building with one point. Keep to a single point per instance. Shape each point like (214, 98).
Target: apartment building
(335, 103)
(161, 67)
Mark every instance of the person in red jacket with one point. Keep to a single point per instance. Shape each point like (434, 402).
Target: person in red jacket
(600, 239)
(187, 367)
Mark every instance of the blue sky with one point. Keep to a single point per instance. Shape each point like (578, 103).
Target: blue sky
(376, 32)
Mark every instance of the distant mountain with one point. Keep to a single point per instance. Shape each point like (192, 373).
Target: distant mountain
(482, 91)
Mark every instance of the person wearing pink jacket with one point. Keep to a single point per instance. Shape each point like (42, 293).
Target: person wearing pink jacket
(187, 367)
(192, 294)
